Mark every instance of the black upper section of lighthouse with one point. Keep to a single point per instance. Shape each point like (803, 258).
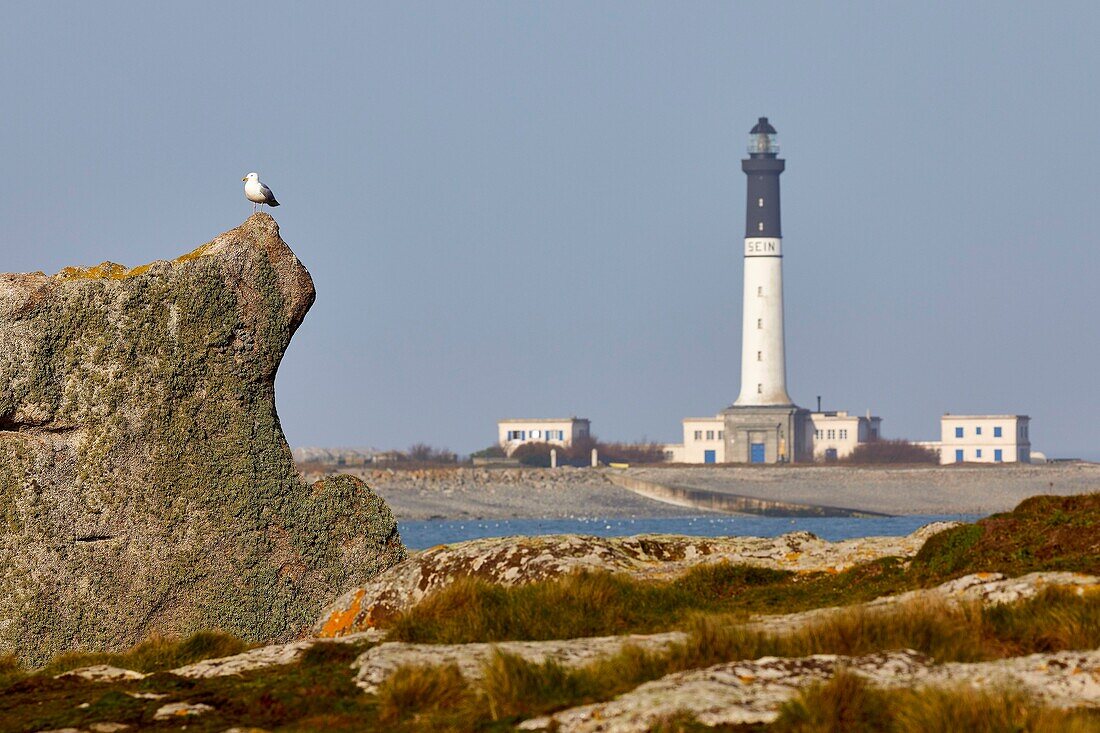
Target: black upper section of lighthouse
(762, 168)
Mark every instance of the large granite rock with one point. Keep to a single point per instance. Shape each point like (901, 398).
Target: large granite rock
(145, 482)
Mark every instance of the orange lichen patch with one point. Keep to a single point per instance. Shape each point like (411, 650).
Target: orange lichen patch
(194, 254)
(340, 622)
(115, 271)
(792, 556)
(102, 271)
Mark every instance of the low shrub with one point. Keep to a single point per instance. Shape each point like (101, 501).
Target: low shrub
(890, 451)
(1042, 533)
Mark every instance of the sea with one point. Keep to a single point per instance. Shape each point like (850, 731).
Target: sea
(421, 534)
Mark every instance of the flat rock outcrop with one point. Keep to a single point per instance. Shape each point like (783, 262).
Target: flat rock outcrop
(751, 692)
(145, 482)
(520, 560)
(376, 664)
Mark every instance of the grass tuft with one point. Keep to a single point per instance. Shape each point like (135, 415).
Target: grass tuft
(156, 654)
(433, 698)
(848, 703)
(10, 670)
(583, 604)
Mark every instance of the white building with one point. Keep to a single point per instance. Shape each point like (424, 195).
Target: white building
(513, 433)
(836, 434)
(704, 441)
(985, 439)
(832, 436)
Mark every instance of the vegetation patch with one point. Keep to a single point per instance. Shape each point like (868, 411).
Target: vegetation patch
(514, 689)
(156, 654)
(1042, 533)
(602, 604)
(847, 702)
(878, 452)
(317, 692)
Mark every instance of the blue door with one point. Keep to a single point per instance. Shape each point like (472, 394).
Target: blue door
(997, 455)
(958, 456)
(710, 456)
(756, 454)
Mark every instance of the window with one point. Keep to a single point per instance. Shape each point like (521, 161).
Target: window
(843, 434)
(958, 456)
(760, 203)
(958, 432)
(817, 434)
(721, 435)
(759, 322)
(978, 430)
(759, 291)
(536, 434)
(759, 389)
(997, 432)
(516, 435)
(760, 227)
(831, 434)
(760, 356)
(997, 455)
(698, 434)
(978, 453)
(710, 435)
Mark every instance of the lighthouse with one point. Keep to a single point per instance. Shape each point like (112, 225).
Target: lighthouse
(763, 357)
(764, 425)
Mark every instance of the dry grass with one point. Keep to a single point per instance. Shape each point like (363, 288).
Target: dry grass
(584, 604)
(848, 703)
(10, 670)
(155, 654)
(513, 689)
(431, 698)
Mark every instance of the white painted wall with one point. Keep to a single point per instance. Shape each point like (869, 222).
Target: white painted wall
(538, 430)
(841, 432)
(700, 435)
(979, 442)
(763, 357)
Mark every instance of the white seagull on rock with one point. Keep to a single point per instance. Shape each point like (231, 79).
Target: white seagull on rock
(257, 192)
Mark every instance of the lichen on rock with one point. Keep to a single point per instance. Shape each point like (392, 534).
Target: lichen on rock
(146, 486)
(510, 561)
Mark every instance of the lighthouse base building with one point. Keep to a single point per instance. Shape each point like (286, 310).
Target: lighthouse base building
(767, 434)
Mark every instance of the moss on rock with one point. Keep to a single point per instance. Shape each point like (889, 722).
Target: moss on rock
(145, 482)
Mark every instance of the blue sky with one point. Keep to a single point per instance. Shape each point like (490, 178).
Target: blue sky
(536, 209)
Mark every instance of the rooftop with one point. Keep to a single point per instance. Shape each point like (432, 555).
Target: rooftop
(542, 419)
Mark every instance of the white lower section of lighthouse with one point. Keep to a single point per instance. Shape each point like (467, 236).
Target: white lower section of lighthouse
(763, 357)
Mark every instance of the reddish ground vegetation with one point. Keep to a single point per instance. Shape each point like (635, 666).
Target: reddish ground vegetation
(1042, 533)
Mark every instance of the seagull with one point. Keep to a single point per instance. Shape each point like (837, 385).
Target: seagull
(257, 193)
